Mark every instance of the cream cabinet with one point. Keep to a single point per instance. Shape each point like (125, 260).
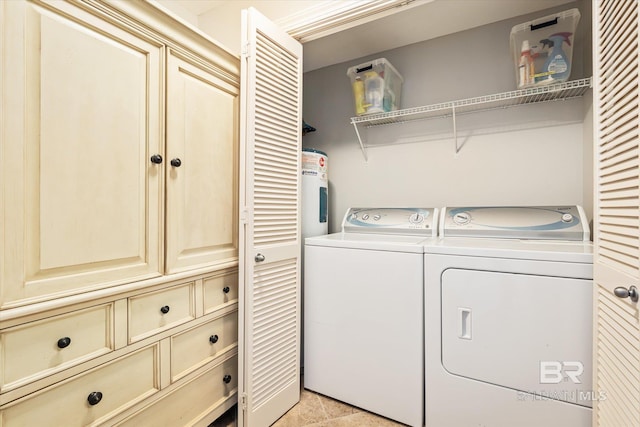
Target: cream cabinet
(91, 397)
(156, 311)
(88, 167)
(119, 204)
(219, 385)
(202, 115)
(36, 349)
(82, 202)
(114, 361)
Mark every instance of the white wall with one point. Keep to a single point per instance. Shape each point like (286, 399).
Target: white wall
(223, 23)
(532, 155)
(177, 8)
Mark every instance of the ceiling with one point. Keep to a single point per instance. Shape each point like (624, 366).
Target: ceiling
(424, 20)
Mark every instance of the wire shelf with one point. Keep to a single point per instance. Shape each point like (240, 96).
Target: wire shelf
(553, 92)
(534, 95)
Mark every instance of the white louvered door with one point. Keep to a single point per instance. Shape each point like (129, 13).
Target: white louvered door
(617, 259)
(270, 135)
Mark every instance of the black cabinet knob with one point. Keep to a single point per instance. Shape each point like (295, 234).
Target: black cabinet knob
(64, 342)
(156, 158)
(176, 162)
(226, 289)
(94, 398)
(165, 309)
(213, 339)
(226, 379)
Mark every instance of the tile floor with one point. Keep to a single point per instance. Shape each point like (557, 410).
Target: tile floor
(316, 410)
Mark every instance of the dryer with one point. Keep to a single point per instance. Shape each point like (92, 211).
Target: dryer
(363, 311)
(508, 318)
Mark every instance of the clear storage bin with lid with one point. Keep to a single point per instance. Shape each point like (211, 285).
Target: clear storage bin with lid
(377, 87)
(542, 49)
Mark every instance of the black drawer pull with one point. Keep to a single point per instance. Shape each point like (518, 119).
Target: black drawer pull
(226, 289)
(64, 342)
(165, 309)
(213, 339)
(94, 398)
(226, 379)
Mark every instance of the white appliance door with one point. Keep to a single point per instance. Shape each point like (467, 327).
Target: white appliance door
(524, 332)
(363, 329)
(270, 135)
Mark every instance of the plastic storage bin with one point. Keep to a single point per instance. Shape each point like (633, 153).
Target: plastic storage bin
(377, 86)
(542, 49)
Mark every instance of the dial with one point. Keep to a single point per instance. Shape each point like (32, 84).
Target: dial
(377, 217)
(567, 217)
(365, 217)
(416, 218)
(462, 218)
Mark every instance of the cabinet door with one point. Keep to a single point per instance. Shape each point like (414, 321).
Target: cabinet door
(201, 168)
(80, 120)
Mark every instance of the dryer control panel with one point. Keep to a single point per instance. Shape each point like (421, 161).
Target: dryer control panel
(414, 221)
(516, 222)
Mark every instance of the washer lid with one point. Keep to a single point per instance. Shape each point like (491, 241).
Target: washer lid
(516, 222)
(375, 242)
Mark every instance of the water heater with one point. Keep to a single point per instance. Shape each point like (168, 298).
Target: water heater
(315, 186)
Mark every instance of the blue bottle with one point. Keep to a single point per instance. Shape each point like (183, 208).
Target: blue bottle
(557, 66)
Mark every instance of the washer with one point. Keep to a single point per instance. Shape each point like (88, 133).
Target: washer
(508, 318)
(363, 311)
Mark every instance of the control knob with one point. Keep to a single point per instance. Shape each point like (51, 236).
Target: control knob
(462, 218)
(416, 218)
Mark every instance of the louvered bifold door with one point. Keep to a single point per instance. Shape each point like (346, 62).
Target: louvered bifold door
(271, 108)
(617, 222)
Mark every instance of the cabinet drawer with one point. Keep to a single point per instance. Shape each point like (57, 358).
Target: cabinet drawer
(155, 312)
(122, 382)
(220, 290)
(34, 350)
(200, 345)
(207, 394)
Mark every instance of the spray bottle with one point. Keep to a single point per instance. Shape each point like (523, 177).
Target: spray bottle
(558, 66)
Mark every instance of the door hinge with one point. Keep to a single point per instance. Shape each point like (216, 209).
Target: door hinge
(243, 215)
(243, 401)
(246, 49)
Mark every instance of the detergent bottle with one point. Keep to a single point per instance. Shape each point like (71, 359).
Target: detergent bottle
(358, 95)
(557, 66)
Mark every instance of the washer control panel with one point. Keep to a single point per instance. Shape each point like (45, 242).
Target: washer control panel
(422, 221)
(516, 222)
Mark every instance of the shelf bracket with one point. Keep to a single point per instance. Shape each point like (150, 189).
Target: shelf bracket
(455, 129)
(362, 147)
